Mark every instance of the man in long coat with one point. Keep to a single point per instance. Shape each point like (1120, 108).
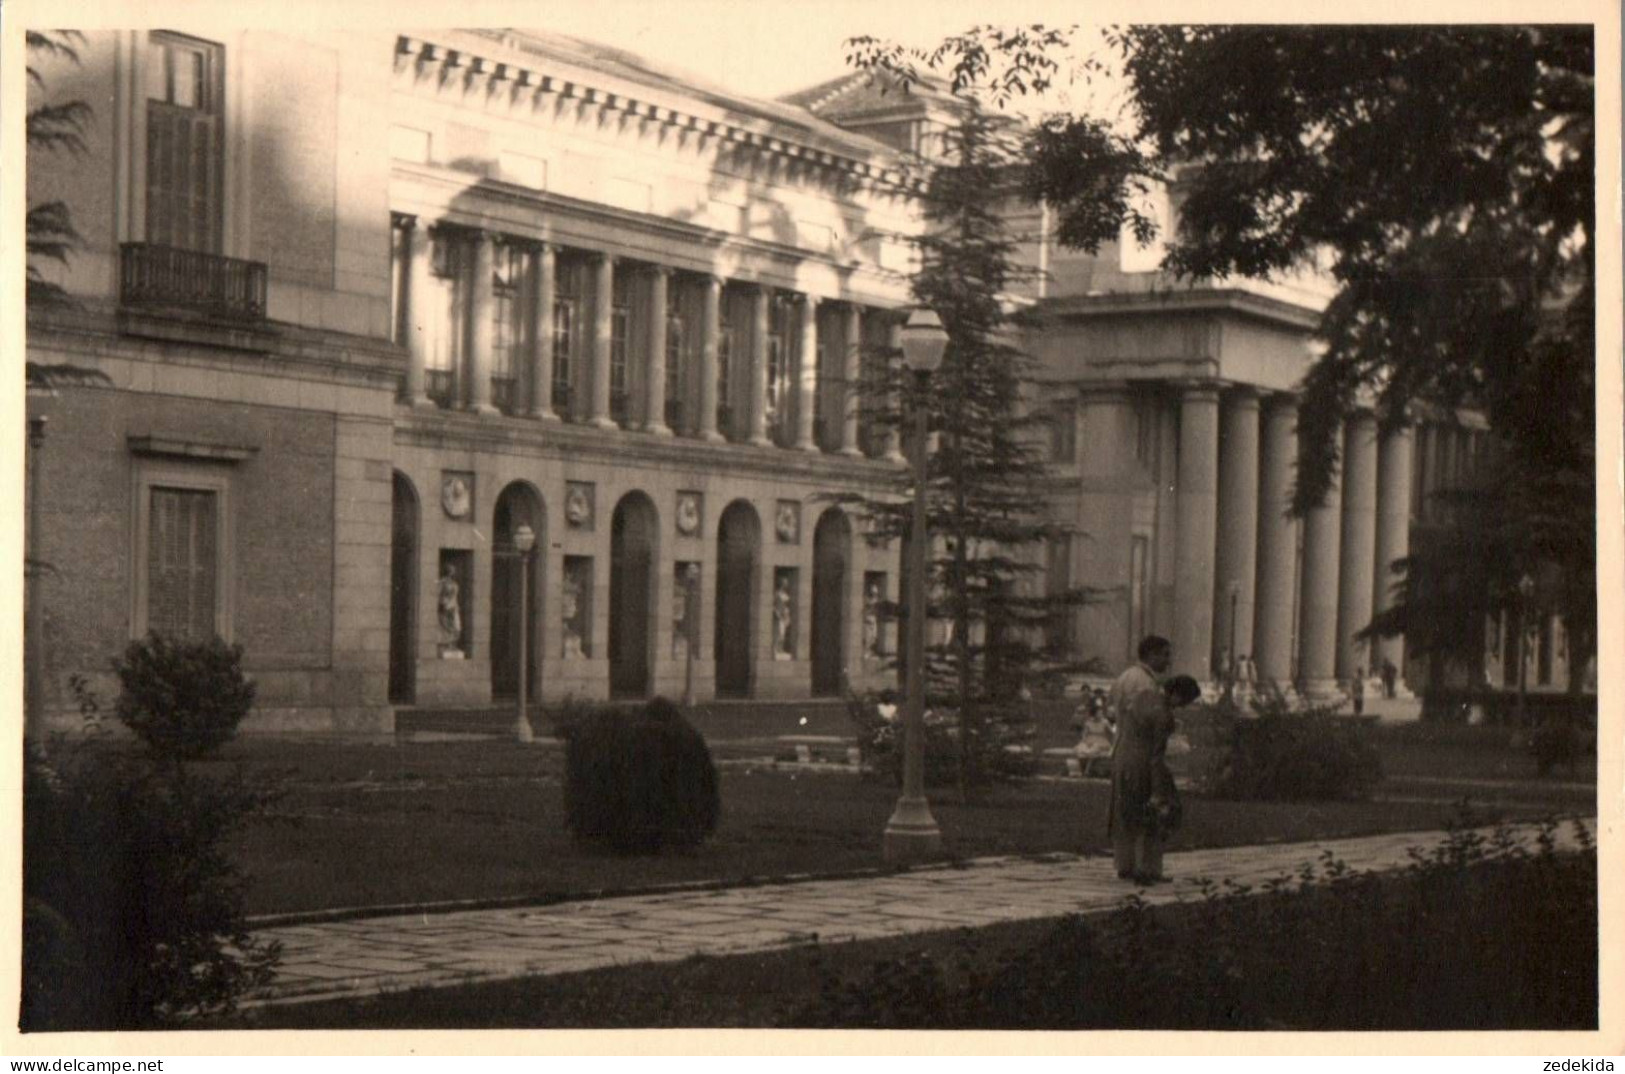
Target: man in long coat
(1156, 657)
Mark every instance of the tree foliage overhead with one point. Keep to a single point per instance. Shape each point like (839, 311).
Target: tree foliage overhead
(51, 127)
(1443, 178)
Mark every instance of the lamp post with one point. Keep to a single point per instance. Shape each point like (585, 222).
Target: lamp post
(1526, 590)
(912, 833)
(524, 539)
(34, 627)
(691, 578)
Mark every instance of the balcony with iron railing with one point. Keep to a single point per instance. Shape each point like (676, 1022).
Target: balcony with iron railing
(154, 278)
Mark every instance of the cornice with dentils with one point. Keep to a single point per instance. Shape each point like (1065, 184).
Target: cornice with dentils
(535, 79)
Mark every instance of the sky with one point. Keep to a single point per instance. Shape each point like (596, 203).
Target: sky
(766, 48)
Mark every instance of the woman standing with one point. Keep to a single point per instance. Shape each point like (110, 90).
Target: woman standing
(1145, 806)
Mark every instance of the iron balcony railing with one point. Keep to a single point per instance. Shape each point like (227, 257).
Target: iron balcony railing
(171, 278)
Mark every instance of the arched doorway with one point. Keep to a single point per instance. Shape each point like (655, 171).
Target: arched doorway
(632, 546)
(739, 550)
(519, 503)
(403, 574)
(832, 543)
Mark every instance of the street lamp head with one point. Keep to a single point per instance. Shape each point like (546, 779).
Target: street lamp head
(924, 340)
(524, 539)
(1526, 587)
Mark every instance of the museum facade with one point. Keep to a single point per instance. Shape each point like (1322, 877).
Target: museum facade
(378, 311)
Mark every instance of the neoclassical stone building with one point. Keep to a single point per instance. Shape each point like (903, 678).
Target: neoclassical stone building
(369, 305)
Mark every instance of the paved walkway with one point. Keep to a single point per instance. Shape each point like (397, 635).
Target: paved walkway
(382, 954)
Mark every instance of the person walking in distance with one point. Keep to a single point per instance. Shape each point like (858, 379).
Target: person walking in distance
(1145, 807)
(1357, 690)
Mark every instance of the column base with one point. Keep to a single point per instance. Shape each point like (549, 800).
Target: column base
(911, 834)
(711, 436)
(809, 447)
(659, 428)
(422, 402)
(545, 414)
(484, 410)
(896, 457)
(760, 441)
(850, 453)
(604, 423)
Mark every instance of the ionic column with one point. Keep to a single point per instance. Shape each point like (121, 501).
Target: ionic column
(851, 375)
(417, 321)
(710, 329)
(1106, 489)
(1277, 543)
(654, 420)
(1238, 528)
(545, 283)
(1395, 467)
(603, 332)
(759, 300)
(1359, 541)
(479, 312)
(1198, 504)
(1322, 544)
(807, 374)
(892, 449)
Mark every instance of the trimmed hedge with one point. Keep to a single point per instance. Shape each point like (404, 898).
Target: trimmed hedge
(1283, 754)
(184, 699)
(638, 782)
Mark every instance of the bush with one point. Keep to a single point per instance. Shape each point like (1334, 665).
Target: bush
(1000, 743)
(1281, 754)
(133, 910)
(637, 782)
(184, 699)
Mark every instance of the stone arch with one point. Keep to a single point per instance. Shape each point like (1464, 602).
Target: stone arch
(519, 502)
(739, 557)
(634, 546)
(831, 597)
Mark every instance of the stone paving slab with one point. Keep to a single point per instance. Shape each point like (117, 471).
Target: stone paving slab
(386, 954)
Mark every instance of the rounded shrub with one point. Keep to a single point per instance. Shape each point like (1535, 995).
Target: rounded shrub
(184, 699)
(639, 781)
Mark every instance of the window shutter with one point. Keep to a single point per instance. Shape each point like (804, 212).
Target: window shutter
(183, 178)
(182, 564)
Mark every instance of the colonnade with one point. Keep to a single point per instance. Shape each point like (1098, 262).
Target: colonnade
(1250, 580)
(801, 377)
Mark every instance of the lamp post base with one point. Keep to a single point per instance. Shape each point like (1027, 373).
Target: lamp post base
(522, 730)
(911, 833)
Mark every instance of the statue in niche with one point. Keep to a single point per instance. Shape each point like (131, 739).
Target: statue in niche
(782, 615)
(679, 618)
(871, 620)
(578, 507)
(449, 610)
(572, 619)
(688, 514)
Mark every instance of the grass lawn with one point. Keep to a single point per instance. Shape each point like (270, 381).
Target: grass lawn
(372, 825)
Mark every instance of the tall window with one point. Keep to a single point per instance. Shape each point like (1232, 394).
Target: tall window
(445, 316)
(725, 361)
(1058, 583)
(1138, 579)
(1145, 431)
(676, 371)
(778, 365)
(185, 147)
(182, 563)
(620, 319)
(1063, 433)
(508, 273)
(566, 321)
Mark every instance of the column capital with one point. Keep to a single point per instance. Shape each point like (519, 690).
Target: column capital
(1206, 391)
(810, 301)
(404, 221)
(1243, 393)
(660, 270)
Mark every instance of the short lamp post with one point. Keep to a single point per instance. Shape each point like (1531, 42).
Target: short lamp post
(524, 539)
(1230, 668)
(912, 833)
(1526, 591)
